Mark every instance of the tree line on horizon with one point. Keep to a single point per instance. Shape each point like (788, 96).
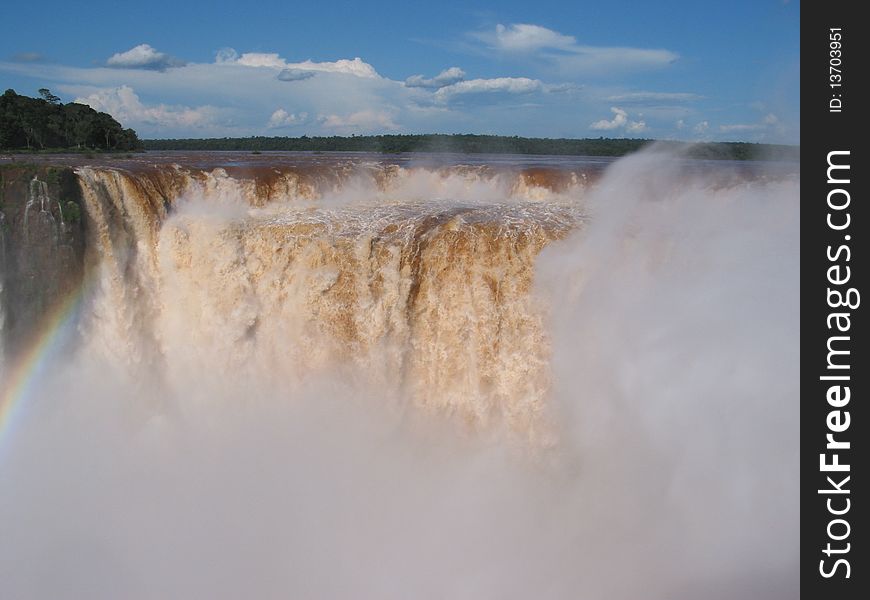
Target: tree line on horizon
(472, 144)
(45, 123)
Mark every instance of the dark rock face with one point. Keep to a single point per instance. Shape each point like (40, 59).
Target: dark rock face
(42, 243)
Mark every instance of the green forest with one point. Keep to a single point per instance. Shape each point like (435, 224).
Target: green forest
(46, 124)
(475, 144)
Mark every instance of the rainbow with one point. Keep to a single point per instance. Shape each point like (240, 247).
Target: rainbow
(19, 377)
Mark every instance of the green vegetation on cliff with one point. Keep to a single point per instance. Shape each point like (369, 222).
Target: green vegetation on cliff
(40, 124)
(42, 246)
(473, 144)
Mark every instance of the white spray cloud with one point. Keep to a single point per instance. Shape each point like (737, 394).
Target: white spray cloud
(674, 320)
(676, 323)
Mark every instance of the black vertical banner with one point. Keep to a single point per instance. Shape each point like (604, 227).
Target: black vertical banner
(835, 373)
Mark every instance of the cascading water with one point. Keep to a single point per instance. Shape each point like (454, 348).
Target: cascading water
(38, 195)
(387, 273)
(272, 360)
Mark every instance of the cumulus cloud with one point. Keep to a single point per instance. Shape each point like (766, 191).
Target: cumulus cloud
(701, 127)
(228, 96)
(442, 79)
(565, 54)
(619, 119)
(242, 98)
(124, 105)
(273, 60)
(281, 118)
(361, 121)
(143, 56)
(259, 59)
(508, 85)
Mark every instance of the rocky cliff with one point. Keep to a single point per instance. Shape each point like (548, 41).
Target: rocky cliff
(42, 244)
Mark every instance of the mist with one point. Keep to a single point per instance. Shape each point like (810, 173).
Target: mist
(669, 466)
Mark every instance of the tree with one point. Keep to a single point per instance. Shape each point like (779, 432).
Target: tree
(78, 124)
(108, 128)
(49, 97)
(47, 123)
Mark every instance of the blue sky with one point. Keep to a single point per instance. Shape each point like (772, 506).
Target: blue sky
(673, 69)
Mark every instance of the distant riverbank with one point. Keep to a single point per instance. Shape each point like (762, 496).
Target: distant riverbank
(478, 144)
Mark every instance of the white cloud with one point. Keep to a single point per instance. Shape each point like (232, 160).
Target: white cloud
(281, 118)
(350, 67)
(124, 105)
(645, 97)
(273, 60)
(362, 121)
(509, 85)
(143, 56)
(524, 37)
(741, 127)
(259, 59)
(564, 54)
(444, 78)
(560, 88)
(225, 98)
(769, 122)
(244, 97)
(701, 127)
(680, 124)
(589, 59)
(620, 120)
